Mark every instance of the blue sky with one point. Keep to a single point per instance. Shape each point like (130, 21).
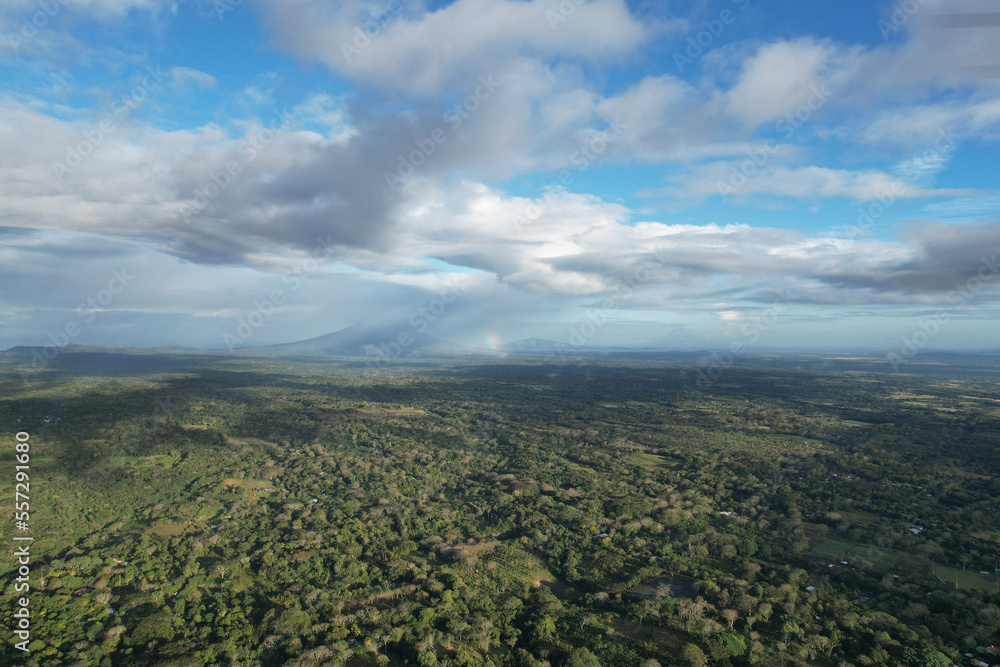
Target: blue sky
(685, 175)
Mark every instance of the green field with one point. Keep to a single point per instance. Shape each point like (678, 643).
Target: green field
(987, 535)
(838, 550)
(652, 461)
(967, 579)
(208, 511)
(832, 549)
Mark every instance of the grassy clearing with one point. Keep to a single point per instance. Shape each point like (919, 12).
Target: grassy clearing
(505, 562)
(852, 422)
(248, 441)
(958, 472)
(880, 558)
(903, 396)
(832, 549)
(652, 461)
(838, 550)
(165, 460)
(208, 512)
(169, 528)
(993, 535)
(967, 579)
(649, 631)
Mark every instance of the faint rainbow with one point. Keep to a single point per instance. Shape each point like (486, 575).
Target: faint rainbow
(495, 344)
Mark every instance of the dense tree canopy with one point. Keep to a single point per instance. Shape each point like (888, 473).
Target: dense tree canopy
(200, 511)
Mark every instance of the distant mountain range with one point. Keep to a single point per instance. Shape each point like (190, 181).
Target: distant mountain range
(384, 343)
(535, 346)
(390, 341)
(399, 340)
(381, 341)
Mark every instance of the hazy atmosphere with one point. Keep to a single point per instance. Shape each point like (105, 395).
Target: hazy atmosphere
(675, 175)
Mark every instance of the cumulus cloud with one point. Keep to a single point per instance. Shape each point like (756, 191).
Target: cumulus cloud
(730, 179)
(928, 123)
(510, 89)
(580, 245)
(782, 76)
(301, 186)
(941, 258)
(406, 48)
(664, 118)
(283, 186)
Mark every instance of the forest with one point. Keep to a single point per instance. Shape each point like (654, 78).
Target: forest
(198, 509)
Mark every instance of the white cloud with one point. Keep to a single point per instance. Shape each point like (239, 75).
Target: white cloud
(663, 118)
(271, 214)
(580, 245)
(101, 9)
(323, 177)
(969, 207)
(187, 77)
(427, 52)
(804, 183)
(952, 120)
(784, 75)
(119, 7)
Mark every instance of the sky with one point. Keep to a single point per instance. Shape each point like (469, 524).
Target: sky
(691, 174)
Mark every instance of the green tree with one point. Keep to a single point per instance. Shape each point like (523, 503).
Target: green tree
(158, 626)
(693, 656)
(728, 645)
(925, 658)
(581, 657)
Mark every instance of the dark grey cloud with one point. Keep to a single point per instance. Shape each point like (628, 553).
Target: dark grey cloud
(945, 257)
